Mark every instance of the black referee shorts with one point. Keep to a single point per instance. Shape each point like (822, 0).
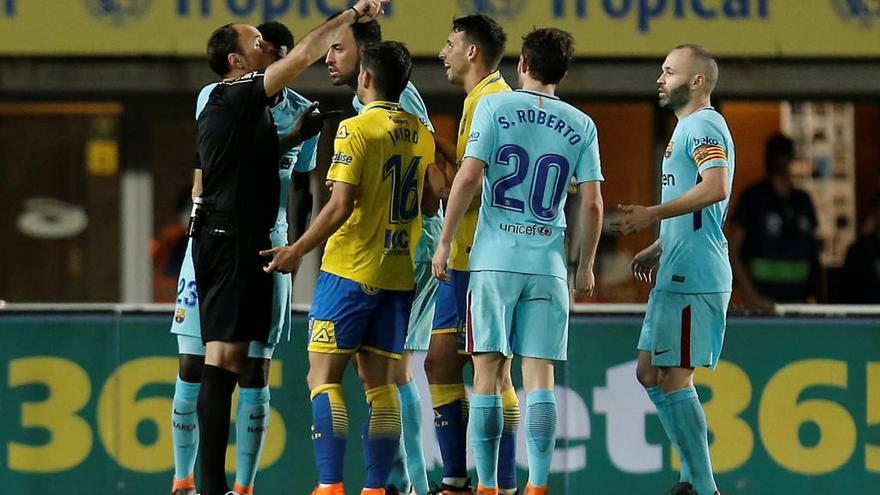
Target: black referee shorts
(235, 294)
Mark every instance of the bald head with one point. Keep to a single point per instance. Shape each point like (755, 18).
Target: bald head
(699, 61)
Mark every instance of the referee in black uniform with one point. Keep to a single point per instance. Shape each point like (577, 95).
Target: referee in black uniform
(238, 151)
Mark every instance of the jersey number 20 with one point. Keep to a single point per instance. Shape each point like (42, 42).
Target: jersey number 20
(548, 166)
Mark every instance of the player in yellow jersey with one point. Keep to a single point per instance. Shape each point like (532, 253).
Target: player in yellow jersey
(365, 289)
(471, 56)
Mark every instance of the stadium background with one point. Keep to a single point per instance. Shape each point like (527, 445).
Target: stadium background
(96, 103)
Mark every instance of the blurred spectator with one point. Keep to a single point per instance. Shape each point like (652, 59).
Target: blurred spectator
(862, 267)
(773, 245)
(168, 250)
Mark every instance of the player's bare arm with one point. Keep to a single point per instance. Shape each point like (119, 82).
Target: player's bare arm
(288, 258)
(446, 147)
(316, 43)
(644, 263)
(197, 183)
(467, 183)
(592, 211)
(435, 190)
(713, 188)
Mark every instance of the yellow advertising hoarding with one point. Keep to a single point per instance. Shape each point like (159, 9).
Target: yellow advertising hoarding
(603, 28)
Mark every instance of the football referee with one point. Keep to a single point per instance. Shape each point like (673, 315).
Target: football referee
(238, 150)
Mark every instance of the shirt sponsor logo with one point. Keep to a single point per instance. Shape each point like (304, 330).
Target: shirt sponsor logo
(530, 230)
(342, 133)
(705, 140)
(342, 159)
(667, 180)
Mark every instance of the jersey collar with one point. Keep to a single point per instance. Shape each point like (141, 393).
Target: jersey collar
(491, 78)
(537, 93)
(384, 105)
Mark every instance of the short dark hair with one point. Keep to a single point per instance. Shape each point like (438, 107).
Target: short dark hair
(707, 63)
(365, 33)
(778, 152)
(279, 35)
(222, 42)
(390, 65)
(484, 32)
(548, 52)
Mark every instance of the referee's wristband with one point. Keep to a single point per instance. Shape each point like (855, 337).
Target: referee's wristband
(357, 15)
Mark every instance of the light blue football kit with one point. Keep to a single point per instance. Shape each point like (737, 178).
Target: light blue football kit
(418, 336)
(301, 158)
(687, 310)
(532, 144)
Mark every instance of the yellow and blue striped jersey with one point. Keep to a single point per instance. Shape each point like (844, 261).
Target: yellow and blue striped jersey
(385, 152)
(464, 236)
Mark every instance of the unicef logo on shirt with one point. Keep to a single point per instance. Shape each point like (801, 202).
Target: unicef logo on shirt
(493, 8)
(864, 13)
(118, 12)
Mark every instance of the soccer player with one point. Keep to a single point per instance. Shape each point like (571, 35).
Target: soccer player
(364, 292)
(471, 56)
(252, 417)
(524, 147)
(343, 64)
(687, 309)
(238, 149)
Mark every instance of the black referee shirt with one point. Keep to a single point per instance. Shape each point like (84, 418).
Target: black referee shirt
(238, 152)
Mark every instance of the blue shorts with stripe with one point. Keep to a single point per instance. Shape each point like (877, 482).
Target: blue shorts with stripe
(348, 316)
(450, 311)
(684, 330)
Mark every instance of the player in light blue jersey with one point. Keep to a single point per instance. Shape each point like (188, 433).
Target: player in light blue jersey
(343, 62)
(687, 310)
(524, 146)
(252, 417)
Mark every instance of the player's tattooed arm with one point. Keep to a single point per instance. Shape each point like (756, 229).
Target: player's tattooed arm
(713, 188)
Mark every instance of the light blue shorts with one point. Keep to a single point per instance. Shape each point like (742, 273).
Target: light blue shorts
(517, 313)
(684, 330)
(186, 320)
(194, 346)
(421, 318)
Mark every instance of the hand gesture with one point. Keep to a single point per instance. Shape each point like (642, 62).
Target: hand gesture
(644, 264)
(632, 219)
(367, 10)
(286, 259)
(311, 121)
(584, 282)
(439, 262)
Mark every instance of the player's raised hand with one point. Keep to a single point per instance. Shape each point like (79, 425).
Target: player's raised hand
(633, 218)
(286, 259)
(367, 10)
(439, 262)
(585, 282)
(644, 264)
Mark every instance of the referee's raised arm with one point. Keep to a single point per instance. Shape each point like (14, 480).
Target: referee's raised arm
(316, 44)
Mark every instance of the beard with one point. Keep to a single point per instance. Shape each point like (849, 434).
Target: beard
(676, 98)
